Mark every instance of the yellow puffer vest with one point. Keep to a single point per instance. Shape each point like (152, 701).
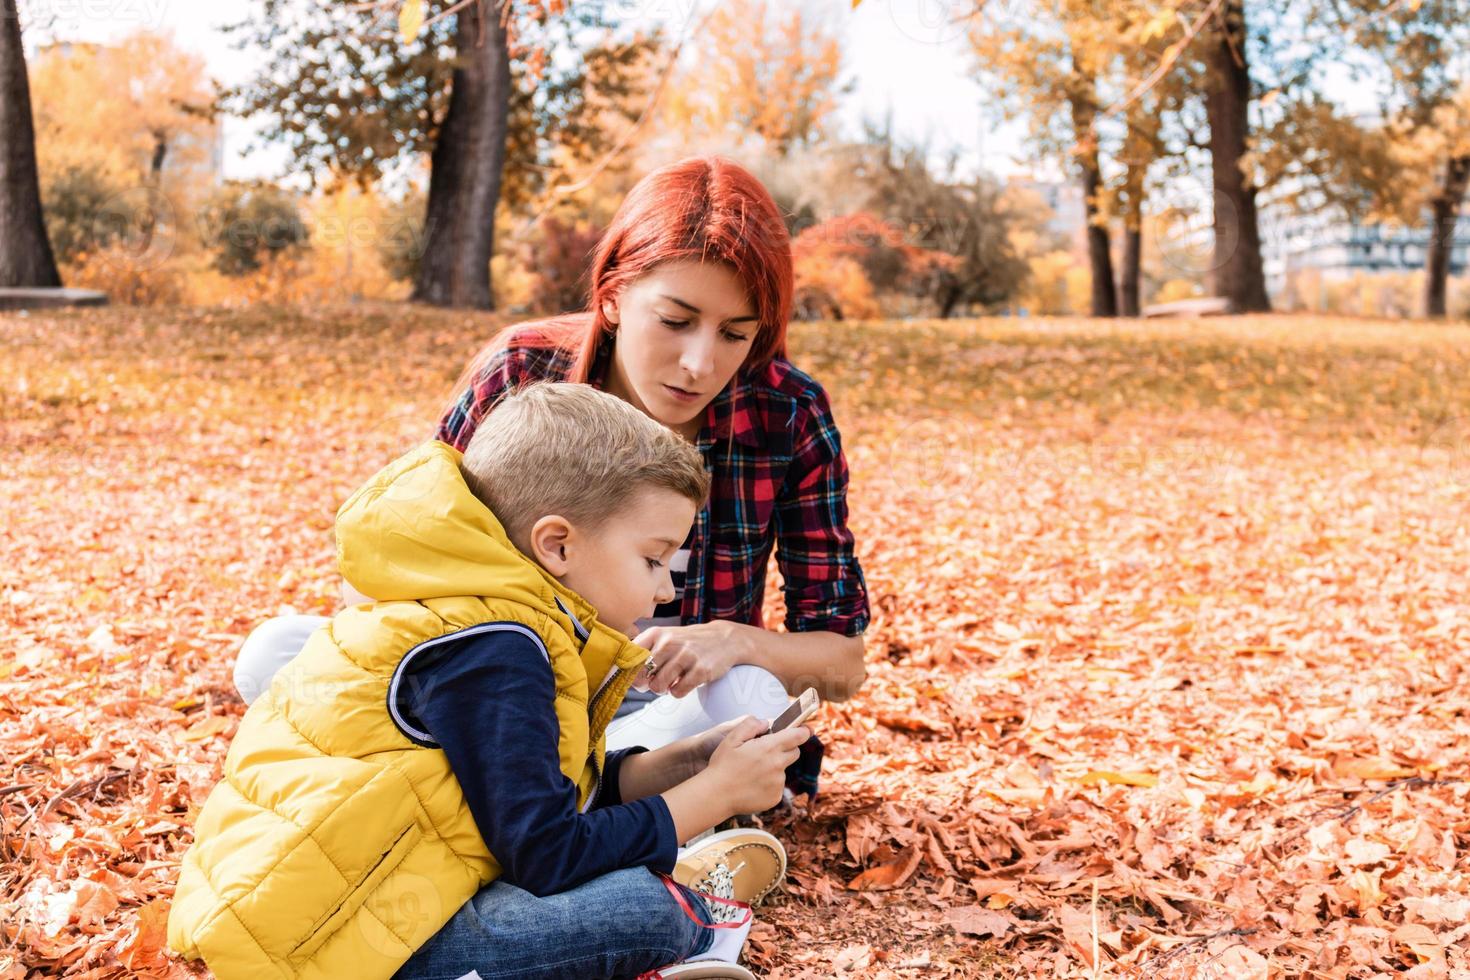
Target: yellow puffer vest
(338, 841)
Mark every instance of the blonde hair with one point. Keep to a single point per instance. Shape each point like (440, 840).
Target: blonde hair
(569, 449)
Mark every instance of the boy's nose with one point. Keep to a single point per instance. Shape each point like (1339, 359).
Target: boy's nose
(665, 592)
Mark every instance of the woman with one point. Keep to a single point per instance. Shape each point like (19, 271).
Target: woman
(691, 290)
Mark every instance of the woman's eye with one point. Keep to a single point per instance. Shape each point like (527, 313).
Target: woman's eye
(673, 323)
(736, 338)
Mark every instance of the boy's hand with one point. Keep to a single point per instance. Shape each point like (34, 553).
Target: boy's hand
(703, 745)
(750, 766)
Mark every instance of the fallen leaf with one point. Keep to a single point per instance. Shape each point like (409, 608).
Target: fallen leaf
(206, 727)
(1362, 852)
(1097, 776)
(1370, 768)
(891, 875)
(144, 948)
(1077, 929)
(976, 920)
(1423, 943)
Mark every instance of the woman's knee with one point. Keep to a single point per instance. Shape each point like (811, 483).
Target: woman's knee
(268, 648)
(745, 690)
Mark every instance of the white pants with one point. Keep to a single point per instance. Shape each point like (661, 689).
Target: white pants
(744, 690)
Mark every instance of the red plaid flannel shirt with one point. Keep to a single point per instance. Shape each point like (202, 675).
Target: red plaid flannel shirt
(778, 479)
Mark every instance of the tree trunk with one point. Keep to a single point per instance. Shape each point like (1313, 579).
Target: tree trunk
(1129, 276)
(1445, 209)
(1128, 292)
(1099, 253)
(1099, 248)
(1237, 272)
(464, 169)
(949, 298)
(160, 153)
(26, 258)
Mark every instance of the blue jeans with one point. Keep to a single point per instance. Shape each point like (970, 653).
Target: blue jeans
(615, 926)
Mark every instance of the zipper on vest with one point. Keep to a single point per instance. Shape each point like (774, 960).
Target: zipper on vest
(592, 755)
(596, 781)
(592, 705)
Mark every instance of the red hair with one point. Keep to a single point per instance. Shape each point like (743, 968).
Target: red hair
(704, 209)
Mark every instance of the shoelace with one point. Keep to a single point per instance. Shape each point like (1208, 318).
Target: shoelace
(719, 881)
(724, 911)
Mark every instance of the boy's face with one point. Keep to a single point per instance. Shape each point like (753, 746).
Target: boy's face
(622, 567)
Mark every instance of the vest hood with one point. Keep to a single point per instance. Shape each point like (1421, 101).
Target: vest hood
(415, 532)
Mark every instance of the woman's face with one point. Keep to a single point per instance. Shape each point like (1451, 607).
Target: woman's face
(683, 331)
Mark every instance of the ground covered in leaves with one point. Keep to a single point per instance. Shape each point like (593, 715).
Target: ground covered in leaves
(1167, 665)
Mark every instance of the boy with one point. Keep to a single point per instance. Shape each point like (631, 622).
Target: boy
(425, 786)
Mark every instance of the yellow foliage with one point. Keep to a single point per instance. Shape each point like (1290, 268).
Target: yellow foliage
(1374, 294)
(1048, 287)
(1079, 288)
(137, 110)
(833, 288)
(514, 282)
(340, 262)
(128, 277)
(756, 69)
(1175, 290)
(1058, 283)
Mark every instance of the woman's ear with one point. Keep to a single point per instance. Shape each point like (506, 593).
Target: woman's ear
(610, 311)
(548, 539)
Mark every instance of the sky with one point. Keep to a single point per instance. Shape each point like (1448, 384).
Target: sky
(906, 57)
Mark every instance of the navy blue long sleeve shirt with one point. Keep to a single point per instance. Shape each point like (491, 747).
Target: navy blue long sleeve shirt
(487, 700)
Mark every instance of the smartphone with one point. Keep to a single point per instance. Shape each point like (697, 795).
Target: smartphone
(799, 710)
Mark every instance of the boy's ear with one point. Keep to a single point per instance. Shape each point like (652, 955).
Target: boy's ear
(548, 540)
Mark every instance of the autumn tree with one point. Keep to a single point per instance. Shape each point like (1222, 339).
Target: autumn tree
(143, 101)
(1418, 51)
(1065, 59)
(1446, 145)
(1267, 87)
(1048, 67)
(1405, 163)
(358, 91)
(109, 120)
(1410, 168)
(26, 258)
(1238, 272)
(1159, 91)
(130, 108)
(957, 243)
(1141, 146)
(757, 69)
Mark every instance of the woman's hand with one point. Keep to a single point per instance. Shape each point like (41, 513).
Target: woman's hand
(684, 657)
